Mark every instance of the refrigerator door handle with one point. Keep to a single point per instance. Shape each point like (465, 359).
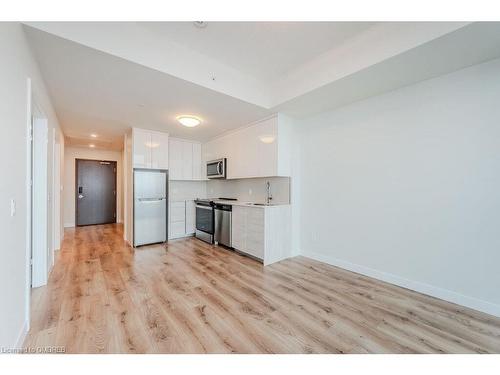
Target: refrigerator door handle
(150, 199)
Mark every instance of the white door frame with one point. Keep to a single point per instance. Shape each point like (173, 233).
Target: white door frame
(40, 202)
(56, 196)
(29, 179)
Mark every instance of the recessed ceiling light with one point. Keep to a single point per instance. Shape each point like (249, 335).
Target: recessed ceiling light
(189, 121)
(93, 135)
(91, 145)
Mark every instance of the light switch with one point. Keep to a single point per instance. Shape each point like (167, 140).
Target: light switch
(12, 207)
(249, 191)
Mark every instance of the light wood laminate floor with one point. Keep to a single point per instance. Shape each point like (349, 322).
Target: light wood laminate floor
(189, 297)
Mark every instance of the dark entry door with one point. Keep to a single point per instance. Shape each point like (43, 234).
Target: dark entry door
(95, 192)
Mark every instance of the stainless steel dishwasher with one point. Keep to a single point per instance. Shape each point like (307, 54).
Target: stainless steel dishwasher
(222, 232)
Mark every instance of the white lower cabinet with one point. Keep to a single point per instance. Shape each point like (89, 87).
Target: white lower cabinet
(190, 217)
(262, 232)
(182, 220)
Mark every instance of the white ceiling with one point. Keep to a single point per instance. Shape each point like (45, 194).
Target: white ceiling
(94, 92)
(470, 45)
(107, 77)
(264, 50)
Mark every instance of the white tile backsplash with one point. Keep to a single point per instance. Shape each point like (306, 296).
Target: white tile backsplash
(245, 189)
(187, 190)
(251, 189)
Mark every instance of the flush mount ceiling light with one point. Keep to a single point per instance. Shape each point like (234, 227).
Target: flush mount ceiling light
(91, 145)
(189, 121)
(267, 138)
(93, 135)
(200, 24)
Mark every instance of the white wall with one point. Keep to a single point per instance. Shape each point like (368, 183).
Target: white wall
(406, 187)
(16, 65)
(72, 153)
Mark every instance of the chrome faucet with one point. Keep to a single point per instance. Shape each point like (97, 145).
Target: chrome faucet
(269, 196)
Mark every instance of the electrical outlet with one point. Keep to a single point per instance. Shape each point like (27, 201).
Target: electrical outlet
(12, 207)
(249, 191)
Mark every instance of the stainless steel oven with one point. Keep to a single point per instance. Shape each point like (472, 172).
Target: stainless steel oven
(216, 168)
(205, 220)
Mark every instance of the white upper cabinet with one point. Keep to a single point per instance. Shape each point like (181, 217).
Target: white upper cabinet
(175, 159)
(185, 160)
(141, 148)
(197, 168)
(159, 150)
(150, 149)
(260, 150)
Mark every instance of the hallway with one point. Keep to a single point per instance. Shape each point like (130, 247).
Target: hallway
(188, 297)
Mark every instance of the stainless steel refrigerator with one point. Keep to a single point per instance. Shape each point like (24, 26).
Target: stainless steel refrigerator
(150, 206)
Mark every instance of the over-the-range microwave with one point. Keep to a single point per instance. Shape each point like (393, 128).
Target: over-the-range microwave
(216, 168)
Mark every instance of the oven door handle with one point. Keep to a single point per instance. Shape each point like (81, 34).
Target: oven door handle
(219, 168)
(204, 207)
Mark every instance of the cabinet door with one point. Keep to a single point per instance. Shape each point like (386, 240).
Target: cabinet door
(238, 227)
(159, 150)
(175, 159)
(187, 160)
(197, 175)
(142, 148)
(190, 217)
(255, 232)
(266, 147)
(177, 227)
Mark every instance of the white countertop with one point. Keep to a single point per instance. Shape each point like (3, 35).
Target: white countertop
(249, 204)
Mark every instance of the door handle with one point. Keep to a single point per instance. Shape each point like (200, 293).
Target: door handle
(80, 196)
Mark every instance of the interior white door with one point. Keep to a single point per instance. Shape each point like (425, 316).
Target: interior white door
(40, 203)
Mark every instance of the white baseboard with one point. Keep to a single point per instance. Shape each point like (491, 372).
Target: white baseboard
(69, 225)
(22, 335)
(433, 291)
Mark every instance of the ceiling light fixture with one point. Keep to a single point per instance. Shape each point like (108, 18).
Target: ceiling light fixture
(200, 24)
(189, 121)
(267, 138)
(91, 145)
(93, 135)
